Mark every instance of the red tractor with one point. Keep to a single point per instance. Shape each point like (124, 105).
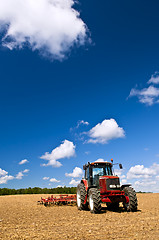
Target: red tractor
(100, 185)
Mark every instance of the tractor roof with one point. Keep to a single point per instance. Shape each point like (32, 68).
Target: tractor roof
(96, 164)
(100, 163)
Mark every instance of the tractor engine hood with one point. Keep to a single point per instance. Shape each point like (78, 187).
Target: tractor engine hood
(109, 183)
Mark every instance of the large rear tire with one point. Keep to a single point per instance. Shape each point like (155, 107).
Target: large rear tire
(94, 201)
(131, 206)
(81, 195)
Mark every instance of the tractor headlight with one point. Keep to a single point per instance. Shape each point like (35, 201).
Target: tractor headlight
(114, 186)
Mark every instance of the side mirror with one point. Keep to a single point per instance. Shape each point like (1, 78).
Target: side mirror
(120, 166)
(84, 167)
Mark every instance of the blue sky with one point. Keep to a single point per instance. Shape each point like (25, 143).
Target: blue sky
(95, 67)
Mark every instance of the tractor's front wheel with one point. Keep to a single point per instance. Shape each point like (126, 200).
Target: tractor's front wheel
(94, 201)
(131, 206)
(81, 195)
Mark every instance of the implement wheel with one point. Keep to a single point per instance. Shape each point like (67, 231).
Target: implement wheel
(94, 201)
(131, 206)
(81, 195)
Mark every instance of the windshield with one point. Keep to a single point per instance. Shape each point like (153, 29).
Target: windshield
(102, 171)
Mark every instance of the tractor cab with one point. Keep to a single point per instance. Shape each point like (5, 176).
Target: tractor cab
(95, 170)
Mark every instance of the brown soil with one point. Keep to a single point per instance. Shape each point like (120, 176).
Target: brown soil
(22, 218)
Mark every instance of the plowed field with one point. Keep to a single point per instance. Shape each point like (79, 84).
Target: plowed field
(22, 218)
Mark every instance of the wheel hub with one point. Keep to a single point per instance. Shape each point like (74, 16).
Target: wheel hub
(91, 203)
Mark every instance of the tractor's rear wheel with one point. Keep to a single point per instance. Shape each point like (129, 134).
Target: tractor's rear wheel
(131, 206)
(94, 201)
(81, 195)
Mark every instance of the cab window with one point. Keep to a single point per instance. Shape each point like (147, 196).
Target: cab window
(102, 171)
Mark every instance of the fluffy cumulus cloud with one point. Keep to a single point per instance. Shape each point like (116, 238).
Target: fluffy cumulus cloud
(148, 95)
(54, 180)
(74, 182)
(3, 172)
(51, 26)
(23, 161)
(140, 177)
(105, 131)
(65, 150)
(144, 178)
(4, 177)
(139, 171)
(77, 172)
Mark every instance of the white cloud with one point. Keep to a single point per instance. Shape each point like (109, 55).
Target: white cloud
(100, 160)
(139, 171)
(123, 181)
(82, 122)
(145, 183)
(122, 176)
(105, 131)
(65, 150)
(74, 182)
(3, 172)
(77, 172)
(149, 95)
(119, 173)
(51, 26)
(146, 95)
(75, 129)
(5, 179)
(154, 78)
(45, 178)
(140, 177)
(54, 180)
(23, 161)
(26, 171)
(19, 175)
